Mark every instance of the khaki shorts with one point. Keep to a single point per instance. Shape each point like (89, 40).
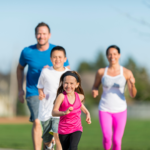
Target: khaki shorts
(50, 125)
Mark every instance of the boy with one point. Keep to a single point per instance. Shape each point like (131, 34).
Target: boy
(47, 86)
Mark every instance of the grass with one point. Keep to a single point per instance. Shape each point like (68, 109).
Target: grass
(136, 136)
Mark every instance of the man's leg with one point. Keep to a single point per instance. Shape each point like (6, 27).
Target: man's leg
(33, 104)
(37, 134)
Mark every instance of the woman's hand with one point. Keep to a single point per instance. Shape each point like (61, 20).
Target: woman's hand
(94, 93)
(88, 118)
(68, 110)
(132, 80)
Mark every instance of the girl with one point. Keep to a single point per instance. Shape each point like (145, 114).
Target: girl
(68, 106)
(112, 106)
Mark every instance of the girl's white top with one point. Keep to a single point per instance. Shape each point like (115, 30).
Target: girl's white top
(49, 82)
(112, 99)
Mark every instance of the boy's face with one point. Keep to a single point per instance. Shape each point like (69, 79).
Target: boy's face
(58, 58)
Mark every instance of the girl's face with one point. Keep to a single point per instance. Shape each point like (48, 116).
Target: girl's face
(113, 56)
(70, 84)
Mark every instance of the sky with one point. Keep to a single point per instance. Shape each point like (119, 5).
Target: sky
(83, 28)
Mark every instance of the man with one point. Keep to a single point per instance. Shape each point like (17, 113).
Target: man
(36, 57)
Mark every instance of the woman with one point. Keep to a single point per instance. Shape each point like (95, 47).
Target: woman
(112, 106)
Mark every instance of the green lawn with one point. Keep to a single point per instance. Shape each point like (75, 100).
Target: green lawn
(136, 136)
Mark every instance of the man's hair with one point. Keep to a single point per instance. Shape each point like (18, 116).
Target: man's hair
(41, 25)
(58, 48)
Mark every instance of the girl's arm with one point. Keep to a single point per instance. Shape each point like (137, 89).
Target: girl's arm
(131, 84)
(97, 82)
(57, 104)
(41, 94)
(84, 109)
(88, 117)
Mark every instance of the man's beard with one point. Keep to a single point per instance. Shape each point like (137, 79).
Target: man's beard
(42, 44)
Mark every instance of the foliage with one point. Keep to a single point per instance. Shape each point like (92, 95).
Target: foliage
(140, 73)
(93, 66)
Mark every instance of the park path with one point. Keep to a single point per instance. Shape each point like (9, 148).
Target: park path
(14, 120)
(7, 149)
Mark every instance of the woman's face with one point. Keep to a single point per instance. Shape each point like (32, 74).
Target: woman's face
(113, 56)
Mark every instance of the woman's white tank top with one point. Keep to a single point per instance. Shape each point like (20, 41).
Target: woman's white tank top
(112, 99)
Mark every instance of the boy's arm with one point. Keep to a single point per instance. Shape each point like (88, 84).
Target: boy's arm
(41, 94)
(56, 107)
(88, 118)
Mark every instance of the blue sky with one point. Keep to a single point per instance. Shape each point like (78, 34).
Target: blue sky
(83, 28)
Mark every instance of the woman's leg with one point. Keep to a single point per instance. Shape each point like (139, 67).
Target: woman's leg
(105, 119)
(119, 122)
(65, 141)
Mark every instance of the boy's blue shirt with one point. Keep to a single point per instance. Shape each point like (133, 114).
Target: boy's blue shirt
(35, 60)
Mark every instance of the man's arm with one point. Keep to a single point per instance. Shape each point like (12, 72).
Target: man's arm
(20, 77)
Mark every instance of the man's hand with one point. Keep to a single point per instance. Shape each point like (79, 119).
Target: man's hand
(21, 96)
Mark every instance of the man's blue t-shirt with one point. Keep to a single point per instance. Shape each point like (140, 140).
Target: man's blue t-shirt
(35, 60)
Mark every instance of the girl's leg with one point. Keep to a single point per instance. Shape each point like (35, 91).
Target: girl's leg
(119, 122)
(74, 140)
(105, 119)
(65, 141)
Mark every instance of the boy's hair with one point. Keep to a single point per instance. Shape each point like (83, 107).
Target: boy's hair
(58, 48)
(78, 89)
(41, 25)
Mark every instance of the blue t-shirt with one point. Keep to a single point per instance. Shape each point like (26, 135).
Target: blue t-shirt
(35, 60)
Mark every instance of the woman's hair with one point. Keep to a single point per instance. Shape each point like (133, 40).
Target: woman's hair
(78, 89)
(112, 46)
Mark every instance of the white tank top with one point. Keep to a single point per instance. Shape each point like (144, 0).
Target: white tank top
(112, 99)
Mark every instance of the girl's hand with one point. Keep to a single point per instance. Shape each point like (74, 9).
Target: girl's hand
(94, 93)
(88, 118)
(68, 110)
(41, 96)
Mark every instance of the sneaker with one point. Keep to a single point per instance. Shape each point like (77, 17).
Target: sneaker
(50, 148)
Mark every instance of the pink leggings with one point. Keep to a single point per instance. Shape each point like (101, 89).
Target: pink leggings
(117, 121)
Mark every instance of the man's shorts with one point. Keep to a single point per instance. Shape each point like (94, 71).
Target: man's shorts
(33, 105)
(50, 125)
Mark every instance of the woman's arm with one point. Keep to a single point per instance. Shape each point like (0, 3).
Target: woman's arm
(57, 104)
(131, 84)
(97, 83)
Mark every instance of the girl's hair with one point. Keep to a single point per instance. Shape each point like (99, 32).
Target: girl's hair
(78, 89)
(112, 46)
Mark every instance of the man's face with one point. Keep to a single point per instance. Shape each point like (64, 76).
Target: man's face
(42, 35)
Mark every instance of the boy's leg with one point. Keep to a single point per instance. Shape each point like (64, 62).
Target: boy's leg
(74, 140)
(33, 105)
(55, 122)
(47, 138)
(57, 141)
